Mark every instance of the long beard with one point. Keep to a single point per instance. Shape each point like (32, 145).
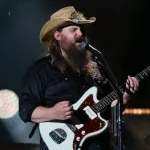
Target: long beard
(75, 54)
(78, 57)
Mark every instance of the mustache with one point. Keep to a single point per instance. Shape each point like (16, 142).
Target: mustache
(80, 39)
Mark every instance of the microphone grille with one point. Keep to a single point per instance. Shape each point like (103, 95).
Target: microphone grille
(83, 45)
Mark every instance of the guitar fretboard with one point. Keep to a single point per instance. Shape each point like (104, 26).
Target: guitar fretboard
(104, 102)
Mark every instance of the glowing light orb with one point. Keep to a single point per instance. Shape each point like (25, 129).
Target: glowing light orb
(9, 103)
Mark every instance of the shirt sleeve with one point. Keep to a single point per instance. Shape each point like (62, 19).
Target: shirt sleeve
(31, 93)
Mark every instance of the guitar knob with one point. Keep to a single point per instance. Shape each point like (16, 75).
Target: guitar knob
(78, 138)
(100, 124)
(83, 132)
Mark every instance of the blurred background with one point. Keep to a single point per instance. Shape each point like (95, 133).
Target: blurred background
(121, 32)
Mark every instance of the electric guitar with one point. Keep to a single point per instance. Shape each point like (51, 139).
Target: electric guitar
(70, 135)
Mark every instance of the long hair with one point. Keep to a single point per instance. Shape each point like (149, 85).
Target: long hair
(54, 52)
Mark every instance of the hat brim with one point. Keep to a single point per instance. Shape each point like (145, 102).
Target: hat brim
(54, 24)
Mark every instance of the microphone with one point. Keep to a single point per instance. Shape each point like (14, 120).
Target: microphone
(86, 46)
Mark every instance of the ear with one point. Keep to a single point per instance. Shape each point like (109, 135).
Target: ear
(57, 35)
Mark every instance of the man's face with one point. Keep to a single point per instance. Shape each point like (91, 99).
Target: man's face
(71, 37)
(70, 40)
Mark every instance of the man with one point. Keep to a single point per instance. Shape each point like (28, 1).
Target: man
(56, 81)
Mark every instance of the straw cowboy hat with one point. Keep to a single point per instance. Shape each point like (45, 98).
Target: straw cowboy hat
(61, 18)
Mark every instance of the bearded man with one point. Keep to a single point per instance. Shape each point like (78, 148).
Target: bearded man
(53, 83)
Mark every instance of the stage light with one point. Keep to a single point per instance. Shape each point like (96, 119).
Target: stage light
(137, 111)
(9, 103)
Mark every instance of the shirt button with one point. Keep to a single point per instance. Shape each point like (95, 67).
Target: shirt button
(66, 78)
(83, 86)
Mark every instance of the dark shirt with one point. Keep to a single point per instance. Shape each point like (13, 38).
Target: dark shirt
(44, 85)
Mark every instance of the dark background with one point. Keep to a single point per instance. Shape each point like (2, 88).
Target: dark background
(121, 32)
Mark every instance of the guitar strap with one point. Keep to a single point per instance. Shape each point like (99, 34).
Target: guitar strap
(33, 130)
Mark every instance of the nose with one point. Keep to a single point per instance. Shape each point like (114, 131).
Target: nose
(79, 32)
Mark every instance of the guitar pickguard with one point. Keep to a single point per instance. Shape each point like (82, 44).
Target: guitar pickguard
(93, 124)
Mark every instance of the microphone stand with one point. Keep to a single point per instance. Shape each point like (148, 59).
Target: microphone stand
(103, 66)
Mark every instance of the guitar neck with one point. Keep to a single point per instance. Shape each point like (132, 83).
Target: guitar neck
(104, 102)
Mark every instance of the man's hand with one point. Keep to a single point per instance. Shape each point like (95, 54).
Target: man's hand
(132, 86)
(63, 110)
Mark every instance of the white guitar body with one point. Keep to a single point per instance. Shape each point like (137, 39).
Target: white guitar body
(58, 136)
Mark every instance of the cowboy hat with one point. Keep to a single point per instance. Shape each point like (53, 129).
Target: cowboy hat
(63, 17)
